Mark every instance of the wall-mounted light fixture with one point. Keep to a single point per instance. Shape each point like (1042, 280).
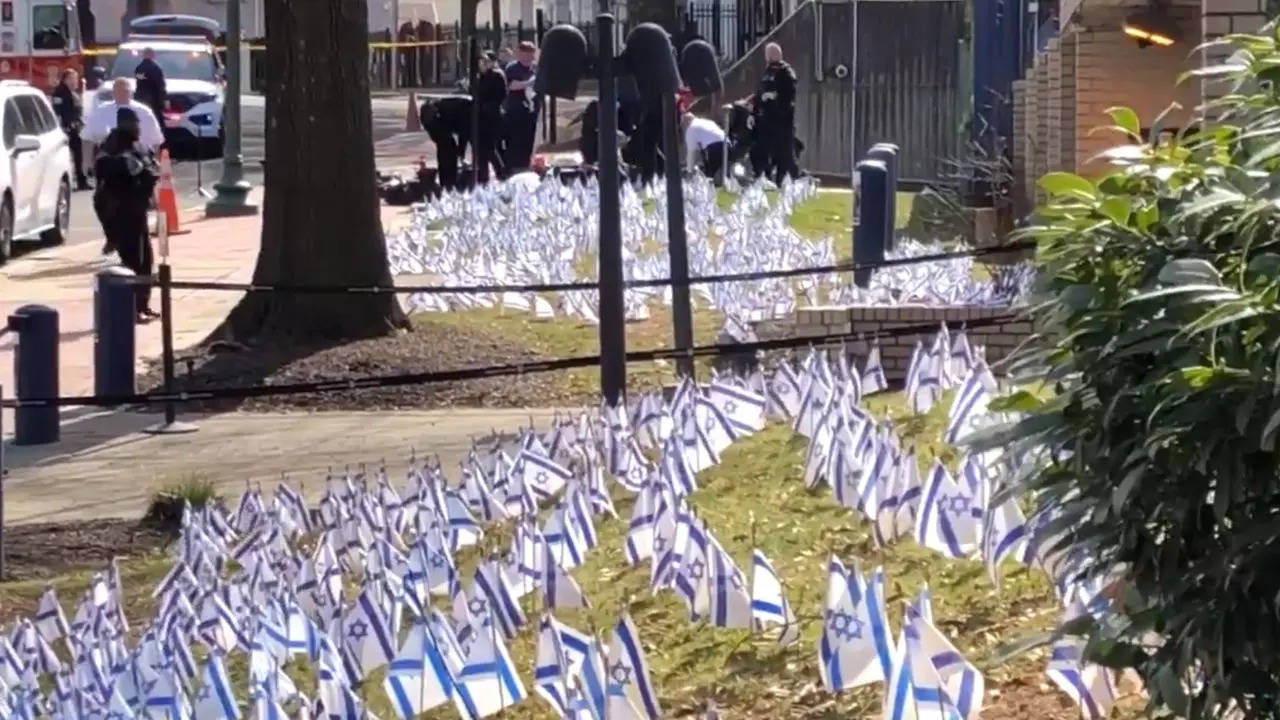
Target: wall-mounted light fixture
(1153, 26)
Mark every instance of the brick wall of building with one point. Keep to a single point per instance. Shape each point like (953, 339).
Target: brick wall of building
(1053, 137)
(1018, 149)
(1112, 70)
(1067, 95)
(895, 352)
(1223, 17)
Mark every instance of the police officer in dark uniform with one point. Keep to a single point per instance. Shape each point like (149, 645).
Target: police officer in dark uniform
(448, 123)
(150, 90)
(520, 116)
(70, 111)
(774, 107)
(491, 91)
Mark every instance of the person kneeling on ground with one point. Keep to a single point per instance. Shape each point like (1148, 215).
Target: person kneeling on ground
(126, 173)
(704, 145)
(448, 123)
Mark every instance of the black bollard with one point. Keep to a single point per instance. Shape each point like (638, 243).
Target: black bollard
(35, 372)
(888, 154)
(871, 234)
(115, 318)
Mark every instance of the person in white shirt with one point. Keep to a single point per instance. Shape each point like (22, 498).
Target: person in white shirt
(704, 145)
(103, 118)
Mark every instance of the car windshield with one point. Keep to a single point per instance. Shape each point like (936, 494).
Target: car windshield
(176, 64)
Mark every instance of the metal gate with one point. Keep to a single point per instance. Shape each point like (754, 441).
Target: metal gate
(907, 67)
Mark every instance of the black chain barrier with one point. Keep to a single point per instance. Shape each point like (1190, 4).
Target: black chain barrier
(508, 370)
(845, 267)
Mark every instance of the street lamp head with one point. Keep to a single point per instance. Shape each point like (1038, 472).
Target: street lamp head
(652, 61)
(564, 54)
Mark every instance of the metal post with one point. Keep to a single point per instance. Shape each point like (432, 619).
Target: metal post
(677, 243)
(395, 41)
(725, 171)
(872, 229)
(115, 319)
(232, 190)
(170, 426)
(613, 340)
(35, 372)
(887, 153)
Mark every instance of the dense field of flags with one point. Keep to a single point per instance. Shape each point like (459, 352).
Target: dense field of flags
(371, 577)
(508, 235)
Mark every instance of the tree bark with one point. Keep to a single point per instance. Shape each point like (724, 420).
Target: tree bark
(321, 221)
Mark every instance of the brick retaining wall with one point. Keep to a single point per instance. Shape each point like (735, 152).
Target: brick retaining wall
(896, 352)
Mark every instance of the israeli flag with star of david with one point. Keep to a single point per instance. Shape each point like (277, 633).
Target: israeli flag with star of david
(418, 679)
(215, 699)
(769, 604)
(944, 685)
(631, 694)
(488, 675)
(366, 634)
(853, 649)
(949, 515)
(743, 408)
(970, 404)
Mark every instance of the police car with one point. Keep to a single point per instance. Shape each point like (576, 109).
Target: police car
(35, 183)
(193, 80)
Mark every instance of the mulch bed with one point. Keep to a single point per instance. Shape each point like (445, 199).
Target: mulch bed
(50, 549)
(429, 348)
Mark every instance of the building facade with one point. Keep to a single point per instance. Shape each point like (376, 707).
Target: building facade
(1092, 65)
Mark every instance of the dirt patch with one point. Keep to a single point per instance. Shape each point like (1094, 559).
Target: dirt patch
(47, 550)
(429, 348)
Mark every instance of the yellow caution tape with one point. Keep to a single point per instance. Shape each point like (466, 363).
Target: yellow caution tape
(112, 50)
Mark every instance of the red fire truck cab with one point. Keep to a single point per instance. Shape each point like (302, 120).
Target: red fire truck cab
(38, 40)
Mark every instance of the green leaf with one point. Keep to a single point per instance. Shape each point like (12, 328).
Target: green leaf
(1265, 265)
(1076, 297)
(1126, 119)
(1021, 401)
(1068, 185)
(1190, 271)
(1116, 208)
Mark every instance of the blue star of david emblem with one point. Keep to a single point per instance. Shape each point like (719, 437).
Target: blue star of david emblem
(321, 598)
(476, 606)
(695, 569)
(730, 406)
(710, 424)
(620, 674)
(636, 473)
(845, 625)
(541, 477)
(659, 544)
(438, 559)
(957, 504)
(203, 693)
(148, 686)
(780, 387)
(358, 630)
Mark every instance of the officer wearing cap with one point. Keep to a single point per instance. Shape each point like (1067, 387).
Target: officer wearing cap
(520, 116)
(490, 92)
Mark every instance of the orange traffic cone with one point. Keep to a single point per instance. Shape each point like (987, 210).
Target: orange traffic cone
(166, 198)
(412, 123)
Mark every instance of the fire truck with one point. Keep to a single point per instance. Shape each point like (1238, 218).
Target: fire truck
(38, 40)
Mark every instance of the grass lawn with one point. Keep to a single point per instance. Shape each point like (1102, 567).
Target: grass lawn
(754, 498)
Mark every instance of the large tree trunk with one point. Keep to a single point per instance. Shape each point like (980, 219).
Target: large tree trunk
(321, 222)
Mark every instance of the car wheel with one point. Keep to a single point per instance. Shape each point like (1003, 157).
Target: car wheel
(61, 216)
(6, 229)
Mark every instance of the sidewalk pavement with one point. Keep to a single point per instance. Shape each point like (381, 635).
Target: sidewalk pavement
(105, 467)
(217, 249)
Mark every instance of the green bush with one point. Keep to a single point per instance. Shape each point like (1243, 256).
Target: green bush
(1159, 330)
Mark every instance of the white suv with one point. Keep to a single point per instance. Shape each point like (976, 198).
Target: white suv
(193, 81)
(35, 182)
